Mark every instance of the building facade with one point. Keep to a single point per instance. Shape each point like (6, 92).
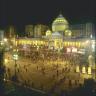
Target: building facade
(62, 35)
(1, 35)
(82, 30)
(29, 30)
(39, 30)
(10, 32)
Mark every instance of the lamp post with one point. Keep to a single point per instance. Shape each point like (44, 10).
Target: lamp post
(15, 57)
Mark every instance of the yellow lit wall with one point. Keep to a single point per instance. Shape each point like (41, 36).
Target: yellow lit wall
(31, 42)
(57, 42)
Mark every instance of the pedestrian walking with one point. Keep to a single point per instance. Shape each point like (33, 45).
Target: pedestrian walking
(37, 67)
(18, 69)
(57, 73)
(26, 69)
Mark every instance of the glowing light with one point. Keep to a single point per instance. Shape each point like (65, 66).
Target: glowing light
(68, 50)
(15, 56)
(90, 60)
(87, 41)
(6, 61)
(83, 70)
(65, 43)
(68, 32)
(5, 39)
(48, 33)
(74, 49)
(89, 70)
(4, 79)
(59, 24)
(14, 50)
(93, 46)
(91, 36)
(2, 43)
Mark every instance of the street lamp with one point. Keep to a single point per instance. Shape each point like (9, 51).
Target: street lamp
(5, 40)
(15, 57)
(5, 61)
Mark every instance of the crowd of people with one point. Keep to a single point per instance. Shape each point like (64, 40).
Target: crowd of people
(56, 66)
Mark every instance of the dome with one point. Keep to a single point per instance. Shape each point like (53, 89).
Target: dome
(48, 33)
(68, 32)
(59, 24)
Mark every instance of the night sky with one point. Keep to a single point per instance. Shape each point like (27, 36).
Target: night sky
(22, 12)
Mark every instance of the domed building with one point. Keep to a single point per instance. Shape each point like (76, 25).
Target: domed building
(48, 33)
(60, 24)
(68, 33)
(62, 36)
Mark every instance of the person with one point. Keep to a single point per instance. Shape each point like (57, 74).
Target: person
(6, 75)
(18, 69)
(8, 70)
(62, 70)
(53, 76)
(32, 84)
(57, 73)
(26, 69)
(70, 83)
(37, 67)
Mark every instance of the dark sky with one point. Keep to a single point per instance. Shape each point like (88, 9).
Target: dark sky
(22, 12)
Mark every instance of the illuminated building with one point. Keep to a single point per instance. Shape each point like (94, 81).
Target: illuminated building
(83, 69)
(90, 29)
(1, 35)
(68, 33)
(61, 36)
(56, 41)
(48, 32)
(60, 24)
(39, 30)
(82, 30)
(89, 70)
(10, 32)
(29, 30)
(31, 41)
